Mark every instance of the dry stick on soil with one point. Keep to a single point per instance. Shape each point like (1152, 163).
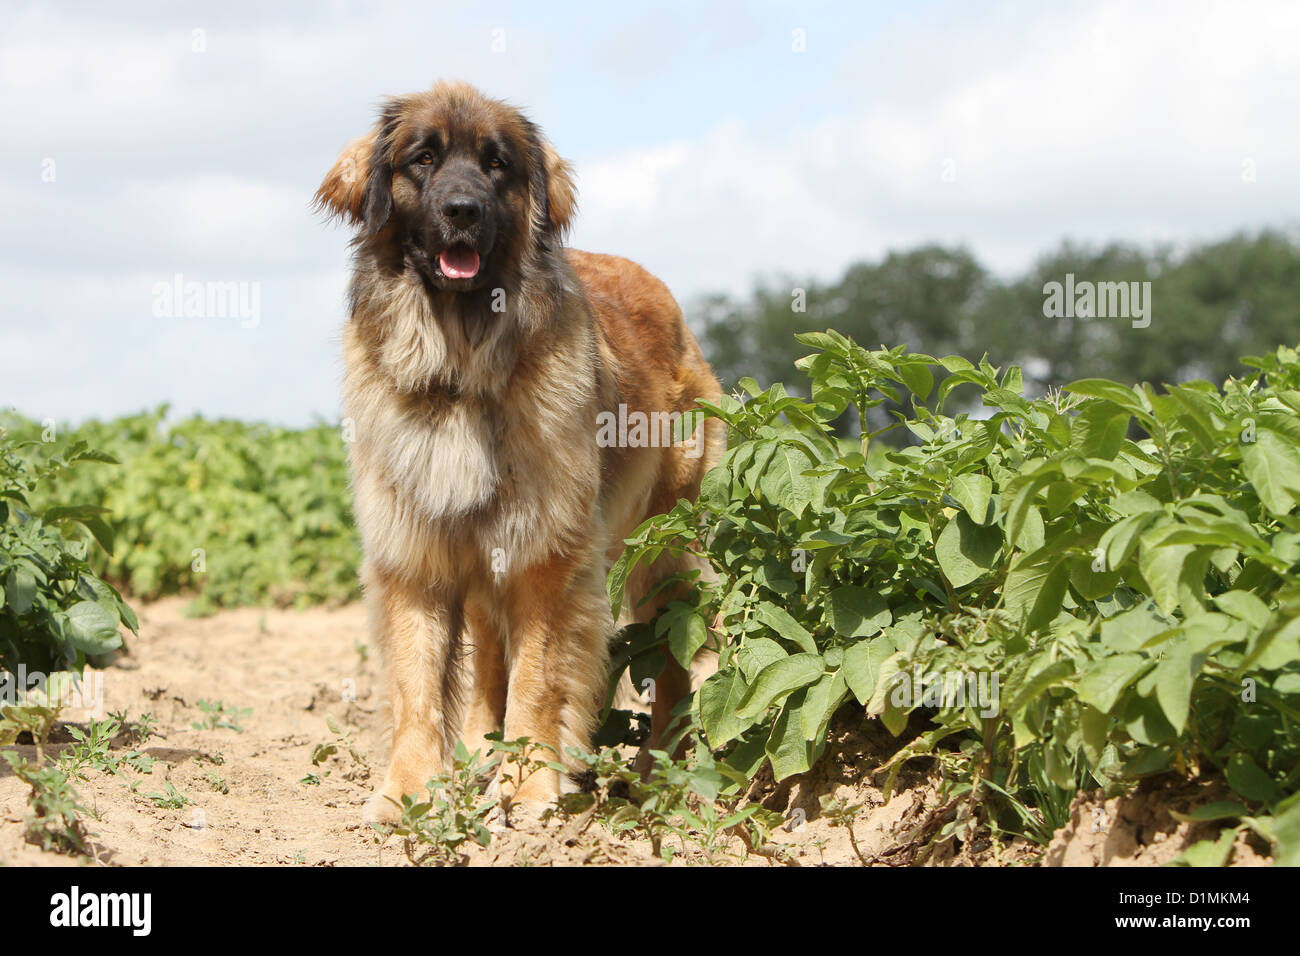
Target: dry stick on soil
(840, 813)
(768, 851)
(919, 838)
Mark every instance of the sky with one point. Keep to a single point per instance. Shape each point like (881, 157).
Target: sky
(717, 144)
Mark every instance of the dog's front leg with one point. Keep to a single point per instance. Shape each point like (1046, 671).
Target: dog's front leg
(557, 655)
(487, 703)
(418, 629)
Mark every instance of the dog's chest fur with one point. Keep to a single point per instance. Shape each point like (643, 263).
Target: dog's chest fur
(475, 427)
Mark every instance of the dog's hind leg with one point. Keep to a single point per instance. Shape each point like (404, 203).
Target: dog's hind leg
(674, 681)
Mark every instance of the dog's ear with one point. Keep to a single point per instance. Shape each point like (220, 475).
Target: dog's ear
(377, 202)
(550, 187)
(342, 192)
(359, 187)
(561, 195)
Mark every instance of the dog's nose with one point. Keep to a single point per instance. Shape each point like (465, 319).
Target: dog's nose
(462, 211)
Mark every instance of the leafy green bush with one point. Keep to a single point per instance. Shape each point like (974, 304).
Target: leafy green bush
(235, 513)
(1068, 605)
(54, 610)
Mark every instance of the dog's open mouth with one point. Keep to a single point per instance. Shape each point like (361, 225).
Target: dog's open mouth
(459, 262)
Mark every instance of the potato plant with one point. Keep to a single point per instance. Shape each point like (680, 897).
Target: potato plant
(231, 512)
(55, 611)
(1079, 590)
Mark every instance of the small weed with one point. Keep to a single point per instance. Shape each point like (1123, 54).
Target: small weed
(683, 803)
(220, 717)
(54, 822)
(171, 798)
(141, 729)
(434, 830)
(344, 740)
(55, 819)
(92, 749)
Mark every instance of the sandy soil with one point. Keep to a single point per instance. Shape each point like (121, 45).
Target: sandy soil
(257, 799)
(1138, 830)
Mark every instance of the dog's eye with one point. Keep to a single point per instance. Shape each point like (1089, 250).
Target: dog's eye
(496, 162)
(425, 158)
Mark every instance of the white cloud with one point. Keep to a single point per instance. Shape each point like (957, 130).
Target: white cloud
(1105, 122)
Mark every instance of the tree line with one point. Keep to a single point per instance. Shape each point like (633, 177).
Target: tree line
(1207, 305)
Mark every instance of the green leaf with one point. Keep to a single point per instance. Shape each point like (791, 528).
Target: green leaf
(1032, 533)
(1277, 643)
(778, 679)
(1247, 779)
(1131, 630)
(1286, 827)
(974, 492)
(1174, 675)
(1244, 606)
(715, 488)
(786, 747)
(783, 481)
(1145, 722)
(894, 718)
(1093, 728)
(616, 582)
(1208, 852)
(20, 589)
(918, 378)
(1035, 588)
(100, 530)
(1104, 681)
(779, 620)
(1022, 502)
(861, 666)
(1162, 566)
(1108, 391)
(686, 636)
(1100, 430)
(854, 611)
(1272, 464)
(966, 550)
(92, 628)
(756, 653)
(718, 699)
(1219, 810)
(885, 683)
(1121, 538)
(1040, 680)
(819, 705)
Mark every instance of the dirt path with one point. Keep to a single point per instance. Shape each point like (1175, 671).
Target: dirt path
(256, 798)
(290, 669)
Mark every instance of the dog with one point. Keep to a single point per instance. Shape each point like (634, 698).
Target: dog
(489, 371)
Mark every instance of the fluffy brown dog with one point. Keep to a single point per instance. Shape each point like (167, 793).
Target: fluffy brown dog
(499, 387)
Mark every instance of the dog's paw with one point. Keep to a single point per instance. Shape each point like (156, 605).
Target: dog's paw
(515, 809)
(525, 814)
(382, 809)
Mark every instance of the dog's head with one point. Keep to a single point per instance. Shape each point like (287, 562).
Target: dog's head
(460, 185)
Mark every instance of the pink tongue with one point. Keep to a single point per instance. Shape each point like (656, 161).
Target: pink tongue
(459, 263)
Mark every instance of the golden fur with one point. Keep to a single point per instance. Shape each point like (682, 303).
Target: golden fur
(489, 512)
